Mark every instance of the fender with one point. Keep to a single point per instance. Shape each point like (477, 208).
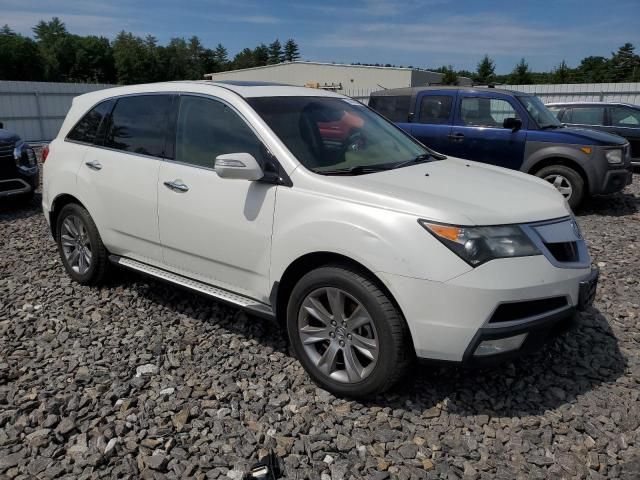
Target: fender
(538, 152)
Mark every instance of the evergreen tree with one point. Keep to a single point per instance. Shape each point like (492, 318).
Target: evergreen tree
(449, 76)
(486, 71)
(244, 59)
(133, 58)
(261, 55)
(562, 73)
(291, 51)
(625, 64)
(275, 52)
(221, 56)
(19, 57)
(521, 75)
(593, 70)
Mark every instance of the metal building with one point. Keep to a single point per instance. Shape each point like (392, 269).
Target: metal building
(353, 80)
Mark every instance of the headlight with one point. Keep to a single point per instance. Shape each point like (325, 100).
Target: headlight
(477, 245)
(614, 156)
(24, 155)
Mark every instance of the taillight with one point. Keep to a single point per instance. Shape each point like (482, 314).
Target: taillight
(45, 153)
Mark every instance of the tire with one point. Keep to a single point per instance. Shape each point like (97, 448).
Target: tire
(73, 219)
(567, 181)
(376, 330)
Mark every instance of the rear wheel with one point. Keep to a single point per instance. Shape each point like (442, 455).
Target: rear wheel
(567, 181)
(83, 254)
(347, 333)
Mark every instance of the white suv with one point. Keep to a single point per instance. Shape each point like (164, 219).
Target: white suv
(307, 206)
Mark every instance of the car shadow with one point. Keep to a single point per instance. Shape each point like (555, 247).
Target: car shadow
(571, 364)
(12, 208)
(615, 205)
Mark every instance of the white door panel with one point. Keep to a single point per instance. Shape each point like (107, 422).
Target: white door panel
(121, 196)
(219, 231)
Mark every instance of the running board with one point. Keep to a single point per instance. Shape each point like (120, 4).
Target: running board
(246, 303)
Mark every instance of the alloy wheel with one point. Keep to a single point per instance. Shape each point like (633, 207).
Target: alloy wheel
(338, 335)
(562, 184)
(76, 245)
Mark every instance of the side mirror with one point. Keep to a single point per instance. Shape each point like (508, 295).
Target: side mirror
(1, 125)
(512, 123)
(240, 166)
(411, 117)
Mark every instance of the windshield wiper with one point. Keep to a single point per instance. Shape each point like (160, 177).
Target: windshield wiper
(423, 157)
(358, 170)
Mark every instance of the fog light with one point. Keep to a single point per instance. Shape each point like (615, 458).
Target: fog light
(499, 345)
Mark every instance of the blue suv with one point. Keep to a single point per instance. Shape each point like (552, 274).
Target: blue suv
(513, 130)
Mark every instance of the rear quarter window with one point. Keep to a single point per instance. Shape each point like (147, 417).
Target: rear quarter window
(395, 108)
(90, 127)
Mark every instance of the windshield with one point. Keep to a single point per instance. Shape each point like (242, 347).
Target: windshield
(332, 135)
(540, 113)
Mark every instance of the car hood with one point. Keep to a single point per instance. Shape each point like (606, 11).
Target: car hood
(457, 191)
(8, 136)
(583, 136)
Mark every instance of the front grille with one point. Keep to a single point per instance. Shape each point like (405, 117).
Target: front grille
(6, 149)
(509, 312)
(564, 251)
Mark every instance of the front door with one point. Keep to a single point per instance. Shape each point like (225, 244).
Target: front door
(213, 229)
(434, 116)
(478, 134)
(625, 121)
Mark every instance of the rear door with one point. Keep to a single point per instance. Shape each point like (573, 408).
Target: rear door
(478, 134)
(118, 179)
(433, 119)
(625, 121)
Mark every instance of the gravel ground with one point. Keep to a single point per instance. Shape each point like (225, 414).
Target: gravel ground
(138, 379)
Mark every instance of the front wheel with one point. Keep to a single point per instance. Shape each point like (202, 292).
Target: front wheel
(567, 181)
(83, 254)
(347, 333)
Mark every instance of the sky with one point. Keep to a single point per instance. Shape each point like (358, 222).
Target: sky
(423, 33)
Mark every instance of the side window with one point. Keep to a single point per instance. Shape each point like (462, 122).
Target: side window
(207, 128)
(395, 109)
(435, 109)
(585, 115)
(556, 111)
(625, 117)
(86, 130)
(485, 112)
(138, 124)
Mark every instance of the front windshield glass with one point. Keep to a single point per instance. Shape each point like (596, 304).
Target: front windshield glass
(540, 113)
(332, 135)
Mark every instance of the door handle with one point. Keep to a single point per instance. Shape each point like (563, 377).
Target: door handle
(456, 137)
(94, 165)
(176, 186)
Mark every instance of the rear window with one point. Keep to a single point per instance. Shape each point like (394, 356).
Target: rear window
(395, 108)
(138, 124)
(86, 130)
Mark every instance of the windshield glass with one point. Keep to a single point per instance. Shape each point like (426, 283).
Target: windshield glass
(329, 134)
(540, 113)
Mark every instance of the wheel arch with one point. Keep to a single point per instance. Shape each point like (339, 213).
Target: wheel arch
(57, 205)
(564, 161)
(282, 289)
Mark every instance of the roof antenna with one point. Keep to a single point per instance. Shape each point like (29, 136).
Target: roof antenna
(384, 88)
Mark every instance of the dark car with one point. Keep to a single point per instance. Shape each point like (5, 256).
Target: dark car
(18, 167)
(512, 130)
(620, 118)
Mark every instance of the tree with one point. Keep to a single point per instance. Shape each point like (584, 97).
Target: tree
(19, 57)
(57, 48)
(593, 70)
(449, 76)
(133, 59)
(486, 70)
(261, 55)
(221, 56)
(625, 64)
(244, 59)
(93, 60)
(291, 51)
(521, 75)
(562, 73)
(275, 52)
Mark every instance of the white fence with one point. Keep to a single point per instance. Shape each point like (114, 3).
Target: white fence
(583, 92)
(35, 110)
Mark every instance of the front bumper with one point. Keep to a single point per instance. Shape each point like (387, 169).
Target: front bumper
(449, 319)
(14, 186)
(616, 180)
